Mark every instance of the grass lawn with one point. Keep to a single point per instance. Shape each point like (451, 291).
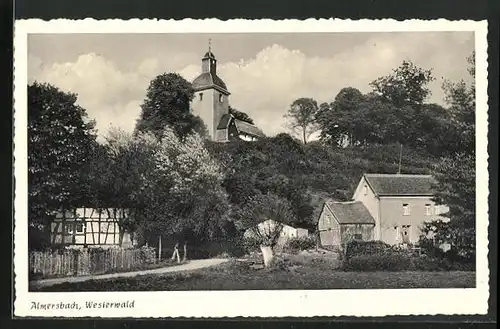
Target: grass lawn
(235, 275)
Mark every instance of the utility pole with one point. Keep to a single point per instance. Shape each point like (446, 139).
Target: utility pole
(400, 157)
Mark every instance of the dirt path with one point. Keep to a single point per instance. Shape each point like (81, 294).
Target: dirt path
(192, 265)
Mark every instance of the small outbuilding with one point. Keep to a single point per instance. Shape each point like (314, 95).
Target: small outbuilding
(340, 222)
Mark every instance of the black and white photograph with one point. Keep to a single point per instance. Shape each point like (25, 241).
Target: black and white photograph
(292, 165)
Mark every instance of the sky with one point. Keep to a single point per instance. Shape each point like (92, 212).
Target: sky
(264, 72)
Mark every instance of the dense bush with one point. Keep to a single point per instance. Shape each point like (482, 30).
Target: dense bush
(250, 244)
(401, 261)
(301, 243)
(387, 261)
(360, 248)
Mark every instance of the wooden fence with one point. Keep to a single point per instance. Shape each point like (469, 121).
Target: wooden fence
(86, 261)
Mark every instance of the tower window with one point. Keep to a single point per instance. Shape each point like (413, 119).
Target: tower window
(221, 98)
(201, 96)
(365, 188)
(406, 209)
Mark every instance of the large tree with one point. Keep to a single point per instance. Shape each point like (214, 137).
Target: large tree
(301, 118)
(335, 120)
(183, 194)
(408, 84)
(167, 104)
(456, 173)
(61, 139)
(116, 173)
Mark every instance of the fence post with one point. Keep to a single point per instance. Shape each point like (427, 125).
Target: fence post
(159, 249)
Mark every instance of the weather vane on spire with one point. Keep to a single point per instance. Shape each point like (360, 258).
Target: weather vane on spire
(209, 45)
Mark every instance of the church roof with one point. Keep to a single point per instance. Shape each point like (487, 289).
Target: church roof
(248, 128)
(208, 80)
(242, 126)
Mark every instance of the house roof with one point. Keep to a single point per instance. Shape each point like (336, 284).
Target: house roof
(350, 212)
(209, 80)
(248, 128)
(400, 184)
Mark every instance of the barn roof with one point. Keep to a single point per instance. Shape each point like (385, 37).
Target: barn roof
(400, 184)
(350, 212)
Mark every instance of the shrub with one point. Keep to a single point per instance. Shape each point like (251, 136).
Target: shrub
(301, 243)
(251, 244)
(358, 248)
(387, 261)
(401, 261)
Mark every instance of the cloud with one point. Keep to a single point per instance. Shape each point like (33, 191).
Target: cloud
(264, 85)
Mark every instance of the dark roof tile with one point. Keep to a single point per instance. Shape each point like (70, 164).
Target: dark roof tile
(400, 184)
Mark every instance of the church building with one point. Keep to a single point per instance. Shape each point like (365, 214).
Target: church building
(211, 104)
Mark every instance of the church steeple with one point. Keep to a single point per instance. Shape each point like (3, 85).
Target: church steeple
(208, 62)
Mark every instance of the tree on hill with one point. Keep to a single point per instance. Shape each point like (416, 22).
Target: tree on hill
(167, 104)
(335, 120)
(60, 140)
(270, 165)
(301, 118)
(240, 115)
(408, 84)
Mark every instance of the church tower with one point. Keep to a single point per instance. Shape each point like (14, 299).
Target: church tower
(211, 101)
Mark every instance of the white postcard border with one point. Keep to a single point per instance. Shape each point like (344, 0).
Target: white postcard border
(282, 303)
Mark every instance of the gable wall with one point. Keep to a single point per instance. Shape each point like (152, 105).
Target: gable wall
(371, 203)
(329, 228)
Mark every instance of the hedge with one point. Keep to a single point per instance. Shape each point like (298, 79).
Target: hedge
(300, 243)
(399, 261)
(358, 248)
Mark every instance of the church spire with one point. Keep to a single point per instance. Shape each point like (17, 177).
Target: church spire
(209, 63)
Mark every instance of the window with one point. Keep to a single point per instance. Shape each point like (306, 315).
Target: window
(398, 234)
(221, 98)
(358, 237)
(69, 228)
(437, 210)
(365, 188)
(79, 228)
(406, 209)
(428, 211)
(201, 97)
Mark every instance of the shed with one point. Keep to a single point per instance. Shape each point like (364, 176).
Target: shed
(342, 221)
